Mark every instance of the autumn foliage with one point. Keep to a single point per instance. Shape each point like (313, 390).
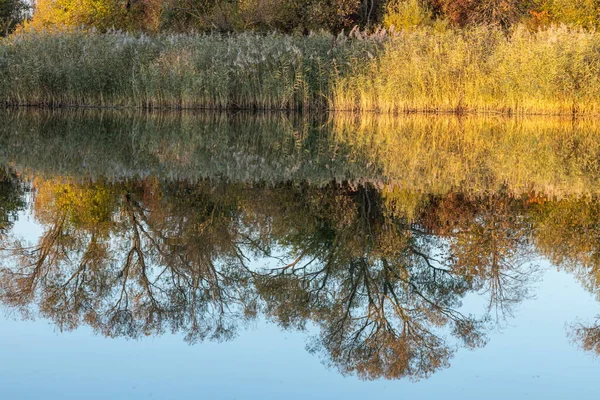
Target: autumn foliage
(204, 15)
(306, 15)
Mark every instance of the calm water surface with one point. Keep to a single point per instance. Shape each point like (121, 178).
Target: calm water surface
(237, 256)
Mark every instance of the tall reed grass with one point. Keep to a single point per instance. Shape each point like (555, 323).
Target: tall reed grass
(176, 71)
(483, 70)
(555, 71)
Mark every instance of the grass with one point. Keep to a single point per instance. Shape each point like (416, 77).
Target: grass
(483, 70)
(245, 71)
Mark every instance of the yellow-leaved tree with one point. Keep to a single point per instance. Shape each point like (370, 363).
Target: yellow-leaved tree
(99, 14)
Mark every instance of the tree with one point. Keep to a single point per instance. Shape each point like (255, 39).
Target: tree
(129, 261)
(262, 15)
(582, 13)
(12, 13)
(406, 14)
(488, 246)
(142, 257)
(100, 14)
(11, 199)
(372, 285)
(587, 336)
(186, 15)
(502, 13)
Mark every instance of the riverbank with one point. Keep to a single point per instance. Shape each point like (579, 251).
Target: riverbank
(551, 72)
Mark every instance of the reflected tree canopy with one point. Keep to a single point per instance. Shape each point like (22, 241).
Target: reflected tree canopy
(11, 199)
(570, 237)
(385, 290)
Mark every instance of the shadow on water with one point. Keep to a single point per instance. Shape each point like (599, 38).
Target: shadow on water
(374, 231)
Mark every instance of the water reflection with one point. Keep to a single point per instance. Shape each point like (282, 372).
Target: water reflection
(143, 257)
(420, 153)
(295, 229)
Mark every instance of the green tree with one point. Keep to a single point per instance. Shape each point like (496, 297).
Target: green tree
(12, 13)
(11, 199)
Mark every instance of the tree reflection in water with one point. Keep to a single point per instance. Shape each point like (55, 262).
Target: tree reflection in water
(383, 284)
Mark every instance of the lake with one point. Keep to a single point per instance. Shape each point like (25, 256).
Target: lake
(277, 255)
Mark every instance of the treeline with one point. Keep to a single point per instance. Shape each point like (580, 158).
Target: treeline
(298, 16)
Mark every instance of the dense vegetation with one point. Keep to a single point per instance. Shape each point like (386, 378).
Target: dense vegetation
(12, 13)
(303, 15)
(507, 56)
(553, 71)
